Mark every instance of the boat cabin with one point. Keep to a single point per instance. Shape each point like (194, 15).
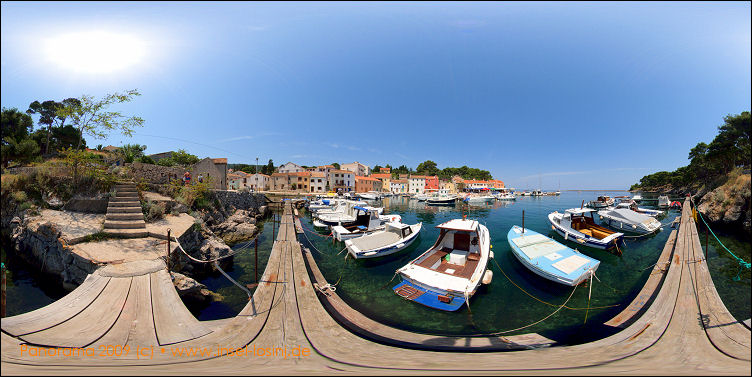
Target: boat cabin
(578, 219)
(457, 250)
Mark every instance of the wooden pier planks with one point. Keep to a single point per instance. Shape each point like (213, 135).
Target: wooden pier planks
(91, 323)
(135, 325)
(723, 330)
(640, 303)
(58, 311)
(172, 320)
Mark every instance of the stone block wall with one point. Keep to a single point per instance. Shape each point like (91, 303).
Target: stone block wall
(151, 173)
(240, 199)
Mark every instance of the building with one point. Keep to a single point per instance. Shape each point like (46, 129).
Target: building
(213, 170)
(293, 181)
(496, 184)
(366, 184)
(237, 180)
(357, 168)
(385, 170)
(417, 184)
(447, 187)
(341, 180)
(432, 182)
(318, 182)
(385, 181)
(398, 186)
(290, 167)
(471, 184)
(259, 182)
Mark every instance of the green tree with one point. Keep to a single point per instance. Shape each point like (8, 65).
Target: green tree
(91, 117)
(336, 165)
(181, 157)
(16, 145)
(427, 167)
(51, 113)
(268, 169)
(131, 152)
(376, 169)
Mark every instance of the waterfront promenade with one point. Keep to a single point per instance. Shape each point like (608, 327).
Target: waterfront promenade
(677, 325)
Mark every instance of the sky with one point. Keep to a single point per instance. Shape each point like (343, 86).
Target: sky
(553, 95)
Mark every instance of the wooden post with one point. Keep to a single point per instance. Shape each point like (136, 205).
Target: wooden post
(255, 266)
(523, 221)
(274, 224)
(168, 249)
(2, 295)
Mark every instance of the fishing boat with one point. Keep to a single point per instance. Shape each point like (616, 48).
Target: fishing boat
(442, 199)
(420, 197)
(450, 272)
(602, 202)
(575, 226)
(394, 238)
(506, 196)
(663, 201)
(624, 219)
(349, 216)
(537, 193)
(550, 259)
(479, 199)
(637, 198)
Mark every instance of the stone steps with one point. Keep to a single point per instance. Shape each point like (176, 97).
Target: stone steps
(127, 233)
(124, 210)
(124, 216)
(124, 224)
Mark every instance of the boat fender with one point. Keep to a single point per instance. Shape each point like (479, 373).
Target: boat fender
(400, 245)
(634, 226)
(490, 254)
(601, 217)
(487, 277)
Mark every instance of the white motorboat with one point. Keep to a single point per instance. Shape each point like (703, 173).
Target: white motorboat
(349, 216)
(393, 238)
(644, 211)
(479, 199)
(663, 201)
(420, 197)
(362, 228)
(506, 196)
(602, 202)
(575, 226)
(550, 259)
(450, 272)
(624, 219)
(442, 199)
(637, 198)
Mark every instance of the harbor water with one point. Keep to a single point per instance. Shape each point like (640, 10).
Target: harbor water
(514, 303)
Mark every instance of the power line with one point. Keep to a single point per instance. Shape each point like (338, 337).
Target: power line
(193, 142)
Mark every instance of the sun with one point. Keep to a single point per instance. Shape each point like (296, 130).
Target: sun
(95, 52)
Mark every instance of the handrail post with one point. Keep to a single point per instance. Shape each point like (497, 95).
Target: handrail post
(168, 249)
(2, 295)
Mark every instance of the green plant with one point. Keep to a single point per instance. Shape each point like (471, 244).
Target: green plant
(152, 210)
(19, 196)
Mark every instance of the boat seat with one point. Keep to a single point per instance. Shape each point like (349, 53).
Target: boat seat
(473, 256)
(587, 232)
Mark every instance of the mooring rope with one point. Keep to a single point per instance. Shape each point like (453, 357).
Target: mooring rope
(544, 302)
(742, 262)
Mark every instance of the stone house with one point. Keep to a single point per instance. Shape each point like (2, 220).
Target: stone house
(365, 184)
(259, 182)
(290, 167)
(385, 179)
(357, 168)
(213, 170)
(293, 181)
(341, 180)
(318, 182)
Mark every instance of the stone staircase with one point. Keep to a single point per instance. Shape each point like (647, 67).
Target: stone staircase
(124, 216)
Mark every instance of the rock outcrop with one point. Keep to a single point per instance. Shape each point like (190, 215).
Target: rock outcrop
(190, 289)
(729, 204)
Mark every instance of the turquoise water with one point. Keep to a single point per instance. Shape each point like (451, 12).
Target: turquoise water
(366, 285)
(503, 305)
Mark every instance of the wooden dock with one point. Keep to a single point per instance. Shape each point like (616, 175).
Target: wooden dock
(676, 325)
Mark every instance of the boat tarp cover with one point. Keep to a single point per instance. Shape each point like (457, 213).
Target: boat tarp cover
(375, 241)
(627, 214)
(459, 224)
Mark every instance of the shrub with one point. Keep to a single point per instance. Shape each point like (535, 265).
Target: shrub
(152, 210)
(19, 196)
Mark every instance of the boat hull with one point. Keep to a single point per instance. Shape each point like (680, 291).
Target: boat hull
(580, 238)
(389, 250)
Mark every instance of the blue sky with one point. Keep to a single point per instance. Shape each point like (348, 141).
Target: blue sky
(585, 95)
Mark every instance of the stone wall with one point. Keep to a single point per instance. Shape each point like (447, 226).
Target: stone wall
(151, 173)
(240, 199)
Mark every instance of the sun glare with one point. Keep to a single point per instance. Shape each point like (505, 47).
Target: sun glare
(94, 52)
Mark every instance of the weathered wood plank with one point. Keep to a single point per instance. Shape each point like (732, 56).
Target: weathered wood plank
(648, 292)
(723, 330)
(91, 323)
(58, 311)
(172, 320)
(135, 326)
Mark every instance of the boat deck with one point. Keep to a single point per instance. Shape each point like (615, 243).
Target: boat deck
(452, 269)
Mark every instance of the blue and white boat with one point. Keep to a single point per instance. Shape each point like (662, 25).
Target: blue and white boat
(550, 259)
(450, 272)
(393, 238)
(575, 226)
